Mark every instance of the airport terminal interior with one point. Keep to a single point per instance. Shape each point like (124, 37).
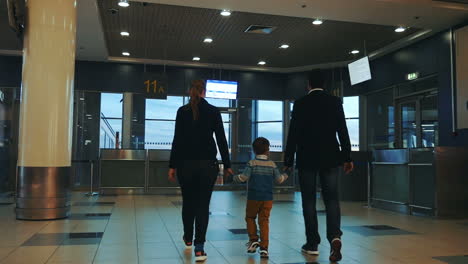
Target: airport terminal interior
(89, 94)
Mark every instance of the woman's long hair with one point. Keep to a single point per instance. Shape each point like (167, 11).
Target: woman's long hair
(197, 88)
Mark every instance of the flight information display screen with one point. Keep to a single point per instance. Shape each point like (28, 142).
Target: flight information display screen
(221, 89)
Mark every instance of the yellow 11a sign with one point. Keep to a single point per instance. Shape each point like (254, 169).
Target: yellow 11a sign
(155, 87)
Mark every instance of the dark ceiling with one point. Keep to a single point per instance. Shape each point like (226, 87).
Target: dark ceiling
(176, 33)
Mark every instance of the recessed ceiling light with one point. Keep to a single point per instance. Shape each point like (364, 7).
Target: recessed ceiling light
(284, 46)
(354, 52)
(317, 22)
(124, 34)
(400, 29)
(126, 53)
(225, 12)
(123, 3)
(196, 58)
(261, 63)
(208, 40)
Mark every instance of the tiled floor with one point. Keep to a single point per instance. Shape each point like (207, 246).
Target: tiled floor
(147, 229)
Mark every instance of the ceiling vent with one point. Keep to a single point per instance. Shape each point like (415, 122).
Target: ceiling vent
(453, 1)
(256, 29)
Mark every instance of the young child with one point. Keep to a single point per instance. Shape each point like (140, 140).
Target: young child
(260, 174)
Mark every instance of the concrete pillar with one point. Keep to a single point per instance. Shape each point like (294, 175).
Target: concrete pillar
(45, 140)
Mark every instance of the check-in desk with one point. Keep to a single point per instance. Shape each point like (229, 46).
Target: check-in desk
(145, 171)
(403, 180)
(158, 167)
(426, 181)
(122, 169)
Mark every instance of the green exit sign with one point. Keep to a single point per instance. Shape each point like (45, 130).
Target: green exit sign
(412, 76)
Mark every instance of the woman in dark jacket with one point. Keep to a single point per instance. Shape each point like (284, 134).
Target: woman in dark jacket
(193, 158)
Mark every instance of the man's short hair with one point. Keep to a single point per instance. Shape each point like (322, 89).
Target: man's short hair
(316, 79)
(261, 146)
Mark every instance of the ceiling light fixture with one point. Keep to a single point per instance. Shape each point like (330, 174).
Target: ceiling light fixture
(284, 46)
(126, 53)
(225, 13)
(400, 29)
(124, 3)
(354, 52)
(208, 40)
(196, 58)
(317, 22)
(261, 63)
(124, 34)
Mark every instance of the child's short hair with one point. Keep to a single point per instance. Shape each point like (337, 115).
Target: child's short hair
(261, 146)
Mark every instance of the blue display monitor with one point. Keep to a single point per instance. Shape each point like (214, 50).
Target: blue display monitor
(221, 89)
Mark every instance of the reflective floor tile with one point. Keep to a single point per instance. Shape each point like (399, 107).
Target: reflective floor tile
(5, 251)
(90, 216)
(30, 255)
(223, 235)
(74, 254)
(159, 250)
(220, 213)
(116, 254)
(162, 261)
(239, 231)
(283, 202)
(381, 227)
(94, 204)
(299, 212)
(366, 231)
(251, 259)
(51, 239)
(55, 239)
(86, 235)
(454, 259)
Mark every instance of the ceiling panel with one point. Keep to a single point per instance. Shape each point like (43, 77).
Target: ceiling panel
(168, 32)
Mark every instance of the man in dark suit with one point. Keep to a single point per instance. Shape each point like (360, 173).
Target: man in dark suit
(317, 118)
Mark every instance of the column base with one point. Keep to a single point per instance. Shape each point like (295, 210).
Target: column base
(43, 193)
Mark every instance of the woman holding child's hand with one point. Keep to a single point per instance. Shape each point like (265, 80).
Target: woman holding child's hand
(194, 164)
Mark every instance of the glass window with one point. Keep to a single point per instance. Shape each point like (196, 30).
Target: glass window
(273, 132)
(269, 123)
(351, 111)
(351, 106)
(163, 109)
(111, 119)
(160, 119)
(269, 111)
(159, 134)
(112, 105)
(219, 102)
(381, 120)
(429, 122)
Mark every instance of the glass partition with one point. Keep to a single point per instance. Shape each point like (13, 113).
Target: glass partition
(160, 119)
(381, 120)
(429, 122)
(269, 123)
(111, 119)
(351, 110)
(9, 127)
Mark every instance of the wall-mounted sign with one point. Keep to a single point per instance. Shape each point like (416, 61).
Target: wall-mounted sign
(412, 76)
(154, 86)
